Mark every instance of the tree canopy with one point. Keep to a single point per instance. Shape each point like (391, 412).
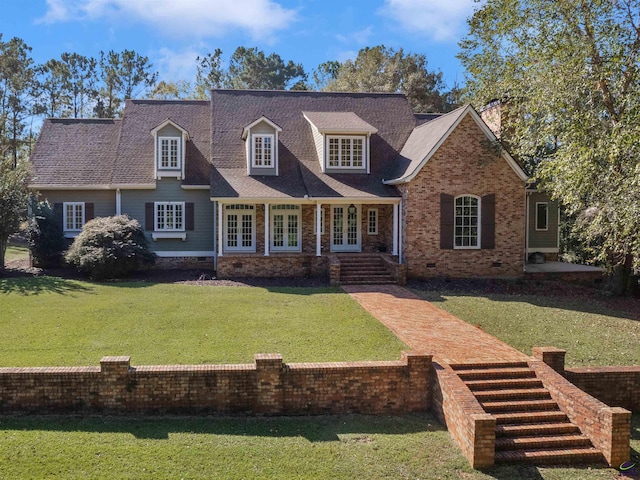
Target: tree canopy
(14, 194)
(568, 75)
(382, 69)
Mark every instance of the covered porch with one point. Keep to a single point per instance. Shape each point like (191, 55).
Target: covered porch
(297, 237)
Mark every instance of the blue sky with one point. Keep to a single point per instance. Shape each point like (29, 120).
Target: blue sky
(173, 32)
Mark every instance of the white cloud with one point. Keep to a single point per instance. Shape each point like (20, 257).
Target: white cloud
(180, 18)
(441, 20)
(360, 37)
(175, 65)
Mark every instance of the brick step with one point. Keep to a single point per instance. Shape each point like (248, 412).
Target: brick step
(368, 282)
(506, 383)
(555, 442)
(520, 406)
(493, 365)
(496, 373)
(530, 417)
(551, 456)
(529, 429)
(512, 394)
(364, 272)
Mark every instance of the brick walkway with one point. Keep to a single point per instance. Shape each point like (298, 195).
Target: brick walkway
(424, 327)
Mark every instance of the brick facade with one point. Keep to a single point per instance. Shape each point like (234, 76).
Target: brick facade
(266, 387)
(465, 164)
(472, 429)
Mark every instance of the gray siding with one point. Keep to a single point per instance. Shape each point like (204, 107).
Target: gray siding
(104, 201)
(201, 239)
(542, 238)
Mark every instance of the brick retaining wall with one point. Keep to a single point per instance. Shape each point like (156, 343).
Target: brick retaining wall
(615, 386)
(268, 386)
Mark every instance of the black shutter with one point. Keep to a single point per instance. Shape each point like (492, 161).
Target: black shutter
(57, 213)
(488, 222)
(88, 212)
(148, 216)
(446, 221)
(189, 221)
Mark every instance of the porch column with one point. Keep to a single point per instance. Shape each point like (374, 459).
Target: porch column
(400, 234)
(118, 202)
(396, 209)
(266, 229)
(318, 231)
(220, 235)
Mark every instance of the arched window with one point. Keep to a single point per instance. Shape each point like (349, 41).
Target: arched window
(467, 222)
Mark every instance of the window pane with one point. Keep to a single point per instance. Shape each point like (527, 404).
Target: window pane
(247, 230)
(333, 152)
(292, 227)
(357, 152)
(466, 222)
(345, 152)
(541, 216)
(278, 230)
(232, 230)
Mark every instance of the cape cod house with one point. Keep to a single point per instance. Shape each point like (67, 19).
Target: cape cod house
(283, 183)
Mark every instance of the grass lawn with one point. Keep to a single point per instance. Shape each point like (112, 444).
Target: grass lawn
(334, 447)
(53, 321)
(589, 330)
(16, 252)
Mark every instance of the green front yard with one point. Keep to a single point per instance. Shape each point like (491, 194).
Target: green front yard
(589, 329)
(16, 252)
(334, 447)
(53, 321)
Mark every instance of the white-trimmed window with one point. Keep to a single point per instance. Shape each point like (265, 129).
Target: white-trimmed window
(315, 225)
(345, 152)
(169, 216)
(239, 228)
(286, 231)
(262, 150)
(542, 216)
(73, 220)
(467, 222)
(372, 221)
(169, 157)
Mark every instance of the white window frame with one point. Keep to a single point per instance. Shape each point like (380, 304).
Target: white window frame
(374, 230)
(546, 221)
(351, 138)
(315, 224)
(169, 140)
(239, 209)
(478, 236)
(65, 220)
(272, 150)
(288, 210)
(156, 206)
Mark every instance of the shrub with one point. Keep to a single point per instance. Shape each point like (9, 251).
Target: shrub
(110, 247)
(45, 236)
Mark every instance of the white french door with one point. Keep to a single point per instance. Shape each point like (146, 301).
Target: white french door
(345, 228)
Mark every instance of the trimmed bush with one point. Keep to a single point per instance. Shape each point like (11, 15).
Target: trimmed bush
(110, 247)
(45, 236)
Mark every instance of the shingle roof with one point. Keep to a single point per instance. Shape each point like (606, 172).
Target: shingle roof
(422, 142)
(334, 122)
(75, 152)
(427, 138)
(134, 159)
(300, 171)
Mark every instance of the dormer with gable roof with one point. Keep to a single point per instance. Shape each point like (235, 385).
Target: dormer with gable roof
(342, 141)
(170, 142)
(261, 145)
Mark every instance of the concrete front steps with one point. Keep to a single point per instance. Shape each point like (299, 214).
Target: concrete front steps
(364, 269)
(530, 427)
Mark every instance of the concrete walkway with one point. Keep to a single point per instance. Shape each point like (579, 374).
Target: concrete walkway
(426, 328)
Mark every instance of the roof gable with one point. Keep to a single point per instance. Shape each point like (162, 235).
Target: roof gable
(425, 140)
(168, 121)
(262, 119)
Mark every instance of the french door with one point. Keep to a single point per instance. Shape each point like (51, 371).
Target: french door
(345, 228)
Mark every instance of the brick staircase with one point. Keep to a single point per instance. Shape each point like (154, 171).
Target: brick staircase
(363, 269)
(530, 427)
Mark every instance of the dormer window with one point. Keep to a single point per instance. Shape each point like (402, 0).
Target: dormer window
(346, 152)
(261, 143)
(169, 153)
(341, 140)
(170, 141)
(263, 150)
